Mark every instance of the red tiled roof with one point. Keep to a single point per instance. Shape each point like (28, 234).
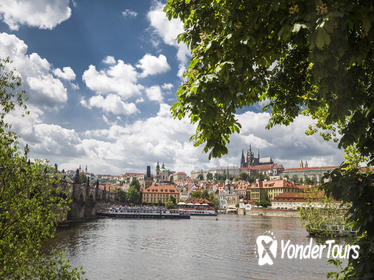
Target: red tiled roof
(169, 189)
(241, 187)
(283, 183)
(197, 200)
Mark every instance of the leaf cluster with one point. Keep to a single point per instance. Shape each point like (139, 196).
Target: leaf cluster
(349, 184)
(309, 57)
(32, 199)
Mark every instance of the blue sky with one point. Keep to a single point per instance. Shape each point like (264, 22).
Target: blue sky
(101, 77)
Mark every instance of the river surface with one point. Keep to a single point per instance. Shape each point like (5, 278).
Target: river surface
(199, 248)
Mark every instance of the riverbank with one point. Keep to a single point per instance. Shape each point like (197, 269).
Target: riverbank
(268, 212)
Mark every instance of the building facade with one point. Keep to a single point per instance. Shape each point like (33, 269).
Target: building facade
(229, 171)
(272, 188)
(159, 193)
(163, 174)
(315, 174)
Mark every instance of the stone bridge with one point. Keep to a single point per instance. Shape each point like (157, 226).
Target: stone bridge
(87, 199)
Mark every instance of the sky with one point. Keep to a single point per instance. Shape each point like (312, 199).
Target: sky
(101, 77)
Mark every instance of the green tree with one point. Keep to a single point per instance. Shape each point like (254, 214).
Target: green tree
(205, 194)
(196, 194)
(295, 179)
(171, 203)
(319, 221)
(135, 183)
(122, 196)
(219, 176)
(200, 177)
(134, 194)
(308, 57)
(209, 176)
(213, 200)
(32, 200)
(243, 176)
(264, 199)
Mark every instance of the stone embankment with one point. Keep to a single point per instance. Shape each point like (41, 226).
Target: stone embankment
(272, 212)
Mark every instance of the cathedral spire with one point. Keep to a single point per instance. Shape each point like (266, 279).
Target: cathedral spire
(242, 161)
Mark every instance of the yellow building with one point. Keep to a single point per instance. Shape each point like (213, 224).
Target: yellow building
(157, 193)
(273, 188)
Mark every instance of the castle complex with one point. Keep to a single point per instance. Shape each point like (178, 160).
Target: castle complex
(251, 160)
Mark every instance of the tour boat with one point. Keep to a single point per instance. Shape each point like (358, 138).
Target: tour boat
(143, 213)
(199, 212)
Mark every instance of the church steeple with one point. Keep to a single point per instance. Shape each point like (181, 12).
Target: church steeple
(250, 157)
(157, 172)
(242, 161)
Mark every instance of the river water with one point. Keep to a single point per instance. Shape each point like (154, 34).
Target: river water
(199, 248)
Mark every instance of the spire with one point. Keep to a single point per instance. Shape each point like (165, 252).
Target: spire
(242, 161)
(306, 164)
(301, 164)
(163, 165)
(258, 154)
(250, 148)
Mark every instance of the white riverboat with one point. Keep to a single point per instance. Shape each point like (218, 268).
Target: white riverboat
(143, 213)
(197, 209)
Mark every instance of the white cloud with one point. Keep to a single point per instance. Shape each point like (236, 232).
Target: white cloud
(45, 140)
(132, 146)
(154, 93)
(44, 14)
(49, 90)
(109, 60)
(66, 73)
(111, 104)
(139, 100)
(183, 54)
(167, 86)
(168, 31)
(287, 144)
(152, 65)
(181, 70)
(129, 13)
(36, 72)
(74, 86)
(120, 78)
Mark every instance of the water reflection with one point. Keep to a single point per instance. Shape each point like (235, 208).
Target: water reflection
(199, 248)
